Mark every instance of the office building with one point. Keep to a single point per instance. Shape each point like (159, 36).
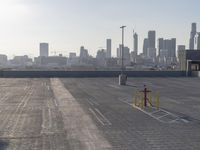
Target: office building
(83, 53)
(3, 59)
(151, 53)
(152, 39)
(44, 49)
(72, 55)
(108, 48)
(145, 46)
(126, 55)
(135, 41)
(168, 48)
(160, 45)
(101, 57)
(192, 35)
(189, 60)
(180, 48)
(197, 41)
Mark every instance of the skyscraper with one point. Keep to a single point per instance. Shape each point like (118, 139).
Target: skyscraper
(152, 39)
(172, 52)
(44, 49)
(126, 53)
(170, 46)
(192, 35)
(135, 41)
(83, 53)
(108, 48)
(145, 46)
(160, 45)
(197, 41)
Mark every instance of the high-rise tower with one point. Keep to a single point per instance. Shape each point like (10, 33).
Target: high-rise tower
(44, 49)
(152, 39)
(192, 35)
(108, 48)
(135, 41)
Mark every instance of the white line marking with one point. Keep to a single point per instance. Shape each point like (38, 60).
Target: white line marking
(96, 116)
(94, 102)
(163, 116)
(50, 118)
(89, 102)
(149, 114)
(114, 86)
(155, 112)
(109, 123)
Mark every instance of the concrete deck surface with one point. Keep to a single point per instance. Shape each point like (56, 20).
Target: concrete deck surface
(96, 113)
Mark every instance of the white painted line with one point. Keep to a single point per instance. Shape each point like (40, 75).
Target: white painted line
(184, 120)
(162, 116)
(149, 114)
(114, 86)
(89, 102)
(50, 118)
(96, 116)
(92, 101)
(109, 123)
(155, 112)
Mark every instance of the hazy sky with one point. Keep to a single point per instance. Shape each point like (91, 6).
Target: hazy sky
(68, 24)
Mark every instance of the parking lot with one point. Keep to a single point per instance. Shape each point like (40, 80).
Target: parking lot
(97, 113)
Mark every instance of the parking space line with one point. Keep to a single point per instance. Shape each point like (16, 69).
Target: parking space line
(96, 116)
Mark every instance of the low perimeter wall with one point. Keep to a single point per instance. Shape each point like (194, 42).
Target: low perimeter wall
(85, 74)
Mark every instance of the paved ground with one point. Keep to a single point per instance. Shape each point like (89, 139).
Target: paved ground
(96, 113)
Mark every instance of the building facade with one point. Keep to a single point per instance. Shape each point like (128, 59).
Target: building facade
(44, 49)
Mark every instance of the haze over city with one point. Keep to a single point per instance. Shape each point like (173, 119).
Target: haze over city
(66, 25)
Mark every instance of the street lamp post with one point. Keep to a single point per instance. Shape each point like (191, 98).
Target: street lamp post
(122, 76)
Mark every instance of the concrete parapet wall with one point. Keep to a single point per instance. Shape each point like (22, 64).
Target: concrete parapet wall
(82, 74)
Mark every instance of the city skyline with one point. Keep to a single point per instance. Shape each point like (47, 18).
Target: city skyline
(25, 24)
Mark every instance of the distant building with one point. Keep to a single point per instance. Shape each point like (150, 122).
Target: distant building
(73, 60)
(168, 49)
(72, 55)
(3, 59)
(21, 61)
(151, 53)
(44, 49)
(197, 41)
(126, 56)
(145, 46)
(108, 48)
(179, 49)
(83, 53)
(189, 60)
(172, 48)
(51, 61)
(135, 41)
(160, 45)
(152, 39)
(192, 35)
(101, 58)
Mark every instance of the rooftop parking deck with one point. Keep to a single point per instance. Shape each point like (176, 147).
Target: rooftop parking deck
(97, 113)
